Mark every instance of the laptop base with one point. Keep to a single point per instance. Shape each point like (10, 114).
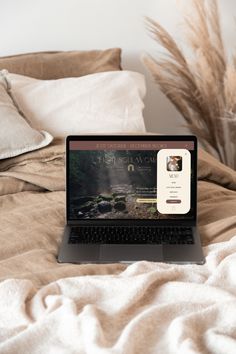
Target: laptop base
(129, 253)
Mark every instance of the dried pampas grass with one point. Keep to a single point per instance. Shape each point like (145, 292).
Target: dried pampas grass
(201, 85)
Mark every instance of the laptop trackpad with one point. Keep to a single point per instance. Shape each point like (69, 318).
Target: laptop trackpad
(130, 253)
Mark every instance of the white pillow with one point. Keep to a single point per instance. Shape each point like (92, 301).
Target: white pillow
(108, 102)
(16, 136)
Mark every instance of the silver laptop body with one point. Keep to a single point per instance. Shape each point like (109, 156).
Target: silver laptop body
(131, 198)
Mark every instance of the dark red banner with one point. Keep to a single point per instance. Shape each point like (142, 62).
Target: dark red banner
(130, 145)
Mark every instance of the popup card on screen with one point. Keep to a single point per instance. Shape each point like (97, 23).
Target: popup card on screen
(173, 181)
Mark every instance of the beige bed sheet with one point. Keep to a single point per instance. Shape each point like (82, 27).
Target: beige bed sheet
(147, 307)
(32, 214)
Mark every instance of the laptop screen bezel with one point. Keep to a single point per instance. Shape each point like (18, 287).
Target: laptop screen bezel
(151, 137)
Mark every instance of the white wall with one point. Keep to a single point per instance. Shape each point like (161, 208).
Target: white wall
(28, 25)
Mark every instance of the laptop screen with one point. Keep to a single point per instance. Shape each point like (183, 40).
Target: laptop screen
(147, 180)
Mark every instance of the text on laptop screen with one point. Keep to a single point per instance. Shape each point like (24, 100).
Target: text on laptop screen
(130, 180)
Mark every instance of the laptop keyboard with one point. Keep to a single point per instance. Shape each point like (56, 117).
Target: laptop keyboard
(131, 235)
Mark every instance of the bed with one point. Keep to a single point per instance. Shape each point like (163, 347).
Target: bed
(146, 307)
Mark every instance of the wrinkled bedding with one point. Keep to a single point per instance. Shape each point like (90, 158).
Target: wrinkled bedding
(143, 308)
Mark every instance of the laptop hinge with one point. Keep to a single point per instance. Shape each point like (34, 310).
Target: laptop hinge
(135, 222)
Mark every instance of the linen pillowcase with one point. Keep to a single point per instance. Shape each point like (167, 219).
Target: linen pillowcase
(16, 136)
(109, 102)
(55, 65)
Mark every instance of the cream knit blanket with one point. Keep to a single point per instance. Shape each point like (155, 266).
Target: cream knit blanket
(148, 308)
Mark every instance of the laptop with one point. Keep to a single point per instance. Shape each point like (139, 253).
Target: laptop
(131, 198)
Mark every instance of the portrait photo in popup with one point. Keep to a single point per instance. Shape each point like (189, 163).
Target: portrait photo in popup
(174, 163)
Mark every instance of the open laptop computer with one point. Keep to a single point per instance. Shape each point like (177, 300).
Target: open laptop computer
(131, 198)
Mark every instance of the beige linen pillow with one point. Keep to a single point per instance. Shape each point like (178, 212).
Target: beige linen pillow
(109, 102)
(16, 136)
(55, 65)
